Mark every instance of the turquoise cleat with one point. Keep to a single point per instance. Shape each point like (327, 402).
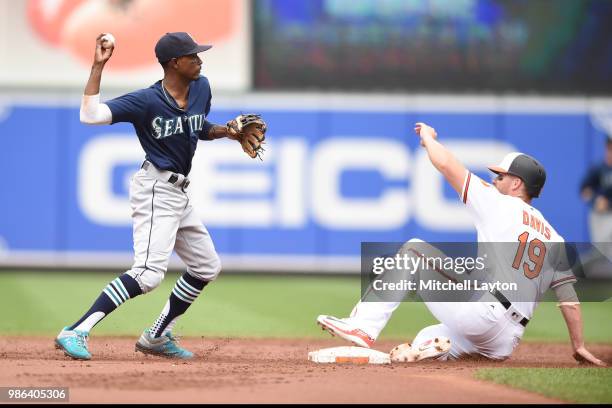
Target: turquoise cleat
(73, 343)
(164, 346)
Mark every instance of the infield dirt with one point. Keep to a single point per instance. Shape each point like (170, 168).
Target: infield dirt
(262, 371)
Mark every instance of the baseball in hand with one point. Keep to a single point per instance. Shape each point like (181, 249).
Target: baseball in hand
(108, 40)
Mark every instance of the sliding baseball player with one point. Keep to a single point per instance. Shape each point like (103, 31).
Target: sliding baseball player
(493, 326)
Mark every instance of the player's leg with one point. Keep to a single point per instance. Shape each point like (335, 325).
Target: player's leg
(73, 339)
(195, 247)
(473, 328)
(482, 327)
(368, 318)
(490, 329)
(461, 316)
(155, 220)
(357, 331)
(437, 342)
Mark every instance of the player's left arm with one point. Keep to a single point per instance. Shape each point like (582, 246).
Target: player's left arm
(570, 308)
(218, 132)
(442, 158)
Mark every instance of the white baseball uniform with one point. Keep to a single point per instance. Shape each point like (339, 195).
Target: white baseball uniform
(486, 327)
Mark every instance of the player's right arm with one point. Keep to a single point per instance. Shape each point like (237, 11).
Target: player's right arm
(563, 287)
(92, 111)
(442, 158)
(480, 197)
(573, 319)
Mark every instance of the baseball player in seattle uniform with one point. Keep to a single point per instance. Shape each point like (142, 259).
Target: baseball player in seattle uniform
(169, 118)
(493, 326)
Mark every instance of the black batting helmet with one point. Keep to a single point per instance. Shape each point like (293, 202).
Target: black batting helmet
(526, 168)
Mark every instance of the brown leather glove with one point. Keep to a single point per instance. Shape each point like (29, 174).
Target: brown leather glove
(250, 130)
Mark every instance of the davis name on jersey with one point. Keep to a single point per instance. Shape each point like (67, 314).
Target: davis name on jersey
(536, 223)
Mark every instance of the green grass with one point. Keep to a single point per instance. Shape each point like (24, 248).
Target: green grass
(585, 385)
(236, 305)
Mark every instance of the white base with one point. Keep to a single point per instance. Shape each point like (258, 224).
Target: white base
(349, 354)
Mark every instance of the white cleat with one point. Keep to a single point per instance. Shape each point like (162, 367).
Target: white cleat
(429, 350)
(344, 329)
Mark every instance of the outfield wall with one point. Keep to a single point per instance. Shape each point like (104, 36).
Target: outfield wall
(338, 170)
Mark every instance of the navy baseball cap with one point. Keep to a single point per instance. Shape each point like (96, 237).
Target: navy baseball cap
(174, 45)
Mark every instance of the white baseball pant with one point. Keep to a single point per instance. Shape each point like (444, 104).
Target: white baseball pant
(164, 220)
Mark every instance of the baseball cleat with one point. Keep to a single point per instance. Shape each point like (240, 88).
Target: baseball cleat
(346, 330)
(164, 346)
(73, 343)
(429, 350)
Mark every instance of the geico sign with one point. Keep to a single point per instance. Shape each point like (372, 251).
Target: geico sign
(295, 184)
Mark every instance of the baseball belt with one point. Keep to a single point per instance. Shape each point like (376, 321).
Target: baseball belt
(507, 305)
(164, 175)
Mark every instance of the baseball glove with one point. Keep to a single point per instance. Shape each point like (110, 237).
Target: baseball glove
(250, 130)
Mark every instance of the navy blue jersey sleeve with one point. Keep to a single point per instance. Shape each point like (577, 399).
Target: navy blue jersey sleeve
(205, 130)
(207, 125)
(130, 107)
(209, 101)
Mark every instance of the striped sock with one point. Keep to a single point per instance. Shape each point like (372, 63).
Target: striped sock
(113, 295)
(185, 291)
